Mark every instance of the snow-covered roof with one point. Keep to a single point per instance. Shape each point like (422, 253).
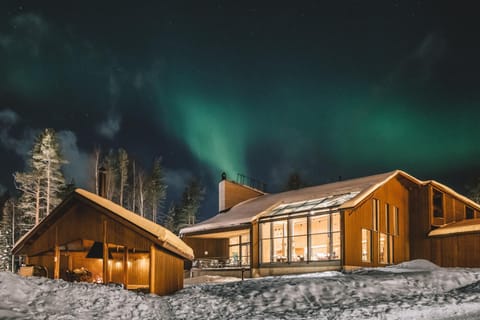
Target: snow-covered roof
(338, 195)
(345, 194)
(165, 238)
(465, 226)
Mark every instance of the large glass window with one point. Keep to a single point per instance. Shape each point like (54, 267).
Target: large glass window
(239, 250)
(298, 240)
(265, 245)
(385, 251)
(313, 238)
(366, 245)
(382, 250)
(280, 241)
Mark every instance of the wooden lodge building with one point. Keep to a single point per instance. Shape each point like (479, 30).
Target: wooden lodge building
(90, 238)
(371, 221)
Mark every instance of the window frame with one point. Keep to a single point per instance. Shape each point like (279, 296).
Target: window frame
(368, 239)
(310, 237)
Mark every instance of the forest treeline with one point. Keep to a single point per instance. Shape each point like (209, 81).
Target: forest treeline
(42, 186)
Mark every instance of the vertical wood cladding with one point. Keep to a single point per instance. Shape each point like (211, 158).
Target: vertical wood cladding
(213, 247)
(420, 222)
(234, 193)
(393, 193)
(73, 231)
(255, 245)
(168, 276)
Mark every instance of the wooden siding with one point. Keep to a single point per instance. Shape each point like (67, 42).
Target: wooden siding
(393, 193)
(234, 193)
(447, 251)
(168, 274)
(255, 245)
(214, 247)
(73, 232)
(119, 235)
(420, 223)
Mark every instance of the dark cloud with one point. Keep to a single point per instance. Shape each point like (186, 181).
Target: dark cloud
(20, 145)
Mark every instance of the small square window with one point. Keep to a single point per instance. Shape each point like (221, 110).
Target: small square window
(469, 213)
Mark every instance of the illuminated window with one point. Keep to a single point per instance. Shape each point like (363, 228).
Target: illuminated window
(366, 245)
(385, 249)
(299, 239)
(375, 214)
(382, 248)
(387, 217)
(239, 250)
(469, 213)
(280, 241)
(266, 248)
(437, 204)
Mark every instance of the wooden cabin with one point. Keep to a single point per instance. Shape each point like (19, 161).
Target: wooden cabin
(89, 238)
(370, 221)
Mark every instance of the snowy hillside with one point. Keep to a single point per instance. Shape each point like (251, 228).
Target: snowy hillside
(413, 290)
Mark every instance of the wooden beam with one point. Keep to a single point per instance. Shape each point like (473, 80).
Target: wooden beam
(56, 258)
(125, 267)
(152, 269)
(105, 253)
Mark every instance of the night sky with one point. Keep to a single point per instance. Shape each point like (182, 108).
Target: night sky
(326, 88)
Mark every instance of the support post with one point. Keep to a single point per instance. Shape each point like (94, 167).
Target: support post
(125, 267)
(152, 269)
(56, 258)
(105, 253)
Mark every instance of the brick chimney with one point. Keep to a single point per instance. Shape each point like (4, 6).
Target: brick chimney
(231, 193)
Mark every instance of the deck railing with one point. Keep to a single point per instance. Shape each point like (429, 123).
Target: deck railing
(219, 263)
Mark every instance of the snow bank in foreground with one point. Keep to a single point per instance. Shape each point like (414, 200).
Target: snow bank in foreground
(42, 298)
(422, 291)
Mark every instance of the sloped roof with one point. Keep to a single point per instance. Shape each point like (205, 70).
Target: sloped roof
(247, 211)
(165, 238)
(343, 194)
(465, 226)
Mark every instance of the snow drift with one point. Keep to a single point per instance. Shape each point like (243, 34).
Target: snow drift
(412, 290)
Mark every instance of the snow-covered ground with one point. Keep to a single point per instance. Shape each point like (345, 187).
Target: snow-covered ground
(412, 290)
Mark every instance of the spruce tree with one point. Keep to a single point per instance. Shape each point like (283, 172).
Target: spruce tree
(43, 183)
(170, 219)
(6, 240)
(192, 198)
(47, 160)
(111, 167)
(157, 190)
(123, 173)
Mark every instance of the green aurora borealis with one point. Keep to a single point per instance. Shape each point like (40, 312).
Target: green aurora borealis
(329, 90)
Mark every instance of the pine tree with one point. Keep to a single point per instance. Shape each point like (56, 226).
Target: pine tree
(141, 185)
(111, 167)
(47, 161)
(31, 201)
(42, 185)
(6, 236)
(191, 200)
(123, 173)
(170, 218)
(157, 190)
